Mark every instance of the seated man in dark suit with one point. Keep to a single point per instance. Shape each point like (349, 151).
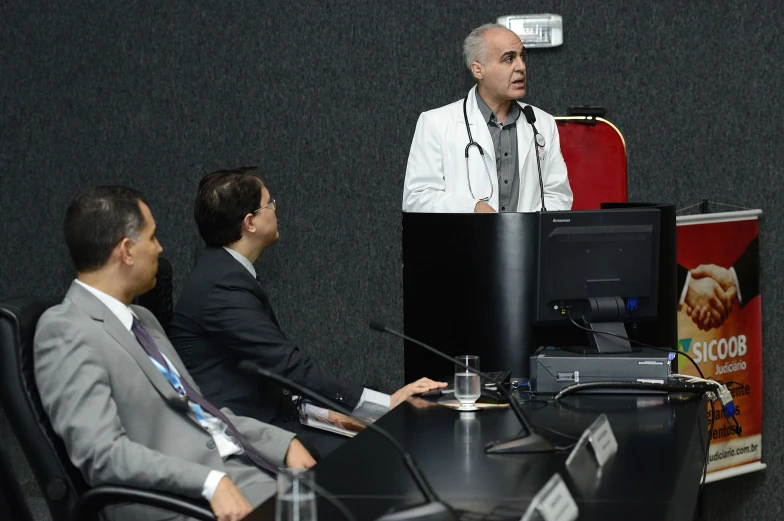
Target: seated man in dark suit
(117, 393)
(223, 316)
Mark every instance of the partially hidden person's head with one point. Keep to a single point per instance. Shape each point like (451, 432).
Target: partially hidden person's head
(496, 58)
(110, 229)
(234, 205)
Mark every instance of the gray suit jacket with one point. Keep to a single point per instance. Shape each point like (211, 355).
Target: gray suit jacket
(121, 420)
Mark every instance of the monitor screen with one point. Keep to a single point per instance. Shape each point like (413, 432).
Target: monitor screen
(596, 254)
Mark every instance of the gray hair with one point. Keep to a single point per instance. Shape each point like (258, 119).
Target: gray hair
(474, 48)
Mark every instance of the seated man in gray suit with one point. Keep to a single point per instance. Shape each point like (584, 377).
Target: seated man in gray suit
(118, 394)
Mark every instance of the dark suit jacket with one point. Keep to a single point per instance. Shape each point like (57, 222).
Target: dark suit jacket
(222, 317)
(747, 271)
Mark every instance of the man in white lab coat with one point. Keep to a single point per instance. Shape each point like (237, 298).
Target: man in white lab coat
(504, 175)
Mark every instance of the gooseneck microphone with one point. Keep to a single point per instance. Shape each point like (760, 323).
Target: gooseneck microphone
(529, 442)
(433, 510)
(528, 112)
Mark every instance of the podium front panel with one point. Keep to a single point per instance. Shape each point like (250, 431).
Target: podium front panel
(468, 283)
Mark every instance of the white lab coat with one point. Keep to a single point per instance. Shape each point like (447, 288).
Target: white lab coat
(436, 178)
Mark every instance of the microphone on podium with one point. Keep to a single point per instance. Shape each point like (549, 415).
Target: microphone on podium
(529, 442)
(530, 117)
(433, 510)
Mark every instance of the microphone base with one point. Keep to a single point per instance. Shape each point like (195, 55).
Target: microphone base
(533, 443)
(434, 511)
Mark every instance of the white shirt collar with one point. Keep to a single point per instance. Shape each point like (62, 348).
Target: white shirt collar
(123, 313)
(242, 260)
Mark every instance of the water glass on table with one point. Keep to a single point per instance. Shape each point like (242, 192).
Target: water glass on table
(296, 500)
(467, 384)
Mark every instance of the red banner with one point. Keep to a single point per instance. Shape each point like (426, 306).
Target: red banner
(720, 327)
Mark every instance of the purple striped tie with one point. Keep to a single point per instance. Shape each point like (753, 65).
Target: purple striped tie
(148, 344)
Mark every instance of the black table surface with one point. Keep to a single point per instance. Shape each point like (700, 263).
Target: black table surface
(655, 475)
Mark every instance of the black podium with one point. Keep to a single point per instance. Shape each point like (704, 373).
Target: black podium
(468, 289)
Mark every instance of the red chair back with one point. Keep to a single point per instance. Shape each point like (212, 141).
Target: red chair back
(595, 156)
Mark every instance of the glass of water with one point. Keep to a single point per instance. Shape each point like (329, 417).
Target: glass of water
(296, 500)
(467, 384)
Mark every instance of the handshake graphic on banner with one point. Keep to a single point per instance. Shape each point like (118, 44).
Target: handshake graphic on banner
(710, 291)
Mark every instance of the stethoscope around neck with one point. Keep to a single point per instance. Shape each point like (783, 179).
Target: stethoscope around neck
(540, 142)
(472, 143)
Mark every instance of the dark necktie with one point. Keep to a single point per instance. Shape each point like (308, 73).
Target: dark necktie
(149, 346)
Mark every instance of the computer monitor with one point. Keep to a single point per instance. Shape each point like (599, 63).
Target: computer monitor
(598, 268)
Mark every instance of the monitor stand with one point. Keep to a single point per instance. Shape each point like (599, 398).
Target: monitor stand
(601, 344)
(605, 315)
(585, 350)
(607, 344)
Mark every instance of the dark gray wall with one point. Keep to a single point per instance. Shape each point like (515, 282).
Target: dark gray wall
(324, 97)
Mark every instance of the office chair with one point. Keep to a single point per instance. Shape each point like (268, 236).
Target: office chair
(160, 300)
(67, 495)
(12, 503)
